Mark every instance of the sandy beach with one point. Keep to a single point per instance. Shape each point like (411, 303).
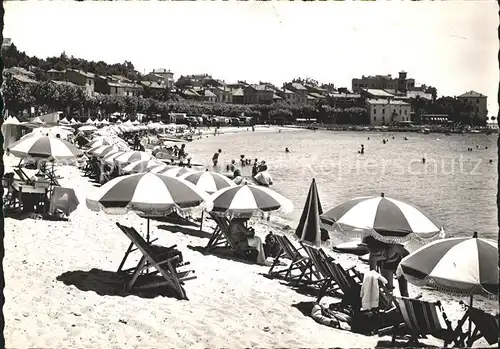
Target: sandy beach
(61, 289)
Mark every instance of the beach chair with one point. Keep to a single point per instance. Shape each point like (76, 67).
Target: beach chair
(318, 273)
(485, 326)
(165, 266)
(298, 262)
(221, 238)
(422, 318)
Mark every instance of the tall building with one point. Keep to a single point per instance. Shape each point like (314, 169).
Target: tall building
(382, 82)
(478, 102)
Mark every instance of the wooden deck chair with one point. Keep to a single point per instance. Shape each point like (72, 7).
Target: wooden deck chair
(164, 266)
(422, 318)
(298, 262)
(23, 176)
(318, 272)
(220, 236)
(485, 326)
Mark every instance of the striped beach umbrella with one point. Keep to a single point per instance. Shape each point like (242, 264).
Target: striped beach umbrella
(386, 219)
(102, 151)
(45, 147)
(100, 141)
(131, 156)
(142, 166)
(176, 171)
(246, 200)
(208, 181)
(310, 229)
(109, 159)
(147, 194)
(456, 265)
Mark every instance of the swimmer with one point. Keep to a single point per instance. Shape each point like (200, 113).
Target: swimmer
(362, 151)
(287, 150)
(368, 138)
(491, 161)
(423, 160)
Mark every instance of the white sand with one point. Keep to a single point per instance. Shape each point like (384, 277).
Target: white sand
(231, 304)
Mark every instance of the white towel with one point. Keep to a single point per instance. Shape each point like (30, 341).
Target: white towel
(370, 290)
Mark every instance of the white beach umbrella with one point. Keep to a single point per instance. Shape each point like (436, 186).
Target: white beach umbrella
(45, 147)
(142, 166)
(147, 194)
(209, 182)
(131, 156)
(247, 200)
(176, 171)
(87, 128)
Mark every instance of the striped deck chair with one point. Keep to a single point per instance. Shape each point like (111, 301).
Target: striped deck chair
(317, 266)
(298, 262)
(423, 318)
(485, 326)
(164, 263)
(221, 237)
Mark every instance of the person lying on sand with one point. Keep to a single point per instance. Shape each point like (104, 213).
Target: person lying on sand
(330, 317)
(244, 238)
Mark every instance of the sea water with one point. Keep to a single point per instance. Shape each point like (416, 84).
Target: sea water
(455, 186)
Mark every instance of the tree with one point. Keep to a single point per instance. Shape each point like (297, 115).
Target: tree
(183, 82)
(17, 95)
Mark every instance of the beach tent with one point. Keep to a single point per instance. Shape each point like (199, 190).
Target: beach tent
(64, 121)
(73, 122)
(37, 120)
(11, 130)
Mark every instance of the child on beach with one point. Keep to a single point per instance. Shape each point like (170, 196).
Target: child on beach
(215, 158)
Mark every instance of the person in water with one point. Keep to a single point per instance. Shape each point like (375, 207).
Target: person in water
(287, 150)
(362, 151)
(423, 160)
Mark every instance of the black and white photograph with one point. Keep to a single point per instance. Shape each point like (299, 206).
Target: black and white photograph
(250, 174)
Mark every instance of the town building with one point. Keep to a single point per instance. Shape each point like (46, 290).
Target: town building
(346, 100)
(19, 71)
(289, 97)
(223, 94)
(81, 78)
(382, 82)
(238, 96)
(479, 104)
(6, 43)
(117, 85)
(258, 94)
(54, 74)
(385, 111)
(162, 76)
(300, 91)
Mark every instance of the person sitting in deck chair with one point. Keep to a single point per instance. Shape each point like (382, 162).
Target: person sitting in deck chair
(244, 238)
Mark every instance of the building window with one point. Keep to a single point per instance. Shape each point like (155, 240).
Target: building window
(406, 111)
(477, 101)
(383, 112)
(374, 110)
(374, 118)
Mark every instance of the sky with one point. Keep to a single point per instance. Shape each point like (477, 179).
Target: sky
(452, 45)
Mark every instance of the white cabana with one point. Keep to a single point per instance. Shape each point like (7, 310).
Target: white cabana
(64, 121)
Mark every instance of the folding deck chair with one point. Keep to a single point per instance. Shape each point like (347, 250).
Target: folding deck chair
(422, 318)
(319, 272)
(221, 237)
(165, 266)
(298, 262)
(485, 326)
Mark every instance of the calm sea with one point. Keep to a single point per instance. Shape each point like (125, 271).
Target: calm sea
(455, 186)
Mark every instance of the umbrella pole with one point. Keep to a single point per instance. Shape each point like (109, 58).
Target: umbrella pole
(147, 236)
(470, 321)
(202, 217)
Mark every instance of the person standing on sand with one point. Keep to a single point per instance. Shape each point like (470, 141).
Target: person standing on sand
(387, 257)
(215, 158)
